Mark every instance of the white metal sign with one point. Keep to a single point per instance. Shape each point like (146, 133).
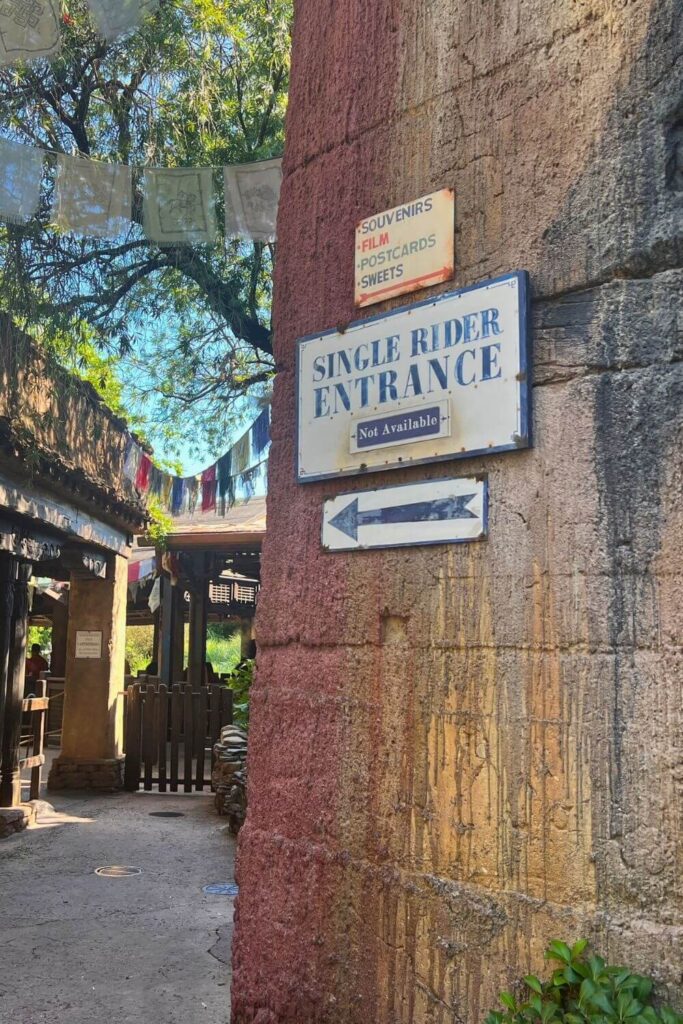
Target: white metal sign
(88, 644)
(441, 379)
(433, 512)
(405, 249)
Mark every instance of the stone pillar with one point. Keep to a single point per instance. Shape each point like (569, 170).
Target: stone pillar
(60, 625)
(92, 735)
(16, 576)
(468, 750)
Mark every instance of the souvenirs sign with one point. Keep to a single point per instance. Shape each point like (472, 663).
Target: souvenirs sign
(405, 249)
(441, 379)
(433, 512)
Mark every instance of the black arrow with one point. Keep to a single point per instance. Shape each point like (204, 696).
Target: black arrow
(350, 518)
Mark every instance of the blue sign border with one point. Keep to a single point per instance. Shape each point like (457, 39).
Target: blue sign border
(522, 278)
(481, 478)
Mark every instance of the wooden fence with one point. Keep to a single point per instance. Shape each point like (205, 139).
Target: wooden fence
(34, 713)
(170, 732)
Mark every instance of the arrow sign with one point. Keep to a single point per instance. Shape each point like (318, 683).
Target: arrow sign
(433, 512)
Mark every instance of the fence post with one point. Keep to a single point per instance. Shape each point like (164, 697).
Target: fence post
(38, 739)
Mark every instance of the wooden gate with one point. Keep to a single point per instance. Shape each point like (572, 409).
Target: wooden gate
(170, 734)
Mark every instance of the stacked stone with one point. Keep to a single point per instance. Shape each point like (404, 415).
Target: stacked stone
(102, 775)
(228, 777)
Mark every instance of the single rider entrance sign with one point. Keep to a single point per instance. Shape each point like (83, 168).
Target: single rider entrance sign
(442, 379)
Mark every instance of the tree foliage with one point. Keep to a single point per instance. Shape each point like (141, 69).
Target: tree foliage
(203, 83)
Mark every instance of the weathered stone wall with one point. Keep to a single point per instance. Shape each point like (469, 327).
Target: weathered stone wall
(460, 752)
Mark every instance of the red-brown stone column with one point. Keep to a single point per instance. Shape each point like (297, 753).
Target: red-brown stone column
(458, 753)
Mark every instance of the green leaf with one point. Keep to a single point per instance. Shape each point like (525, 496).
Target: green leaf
(597, 965)
(578, 948)
(508, 1001)
(559, 951)
(599, 999)
(534, 983)
(587, 989)
(643, 988)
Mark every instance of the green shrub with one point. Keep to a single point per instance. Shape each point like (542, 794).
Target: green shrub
(583, 990)
(240, 683)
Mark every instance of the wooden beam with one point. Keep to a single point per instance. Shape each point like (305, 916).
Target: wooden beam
(199, 600)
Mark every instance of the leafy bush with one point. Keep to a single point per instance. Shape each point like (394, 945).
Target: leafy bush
(584, 990)
(240, 684)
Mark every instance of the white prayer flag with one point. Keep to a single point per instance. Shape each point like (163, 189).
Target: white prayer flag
(28, 29)
(179, 205)
(252, 194)
(92, 199)
(21, 171)
(114, 18)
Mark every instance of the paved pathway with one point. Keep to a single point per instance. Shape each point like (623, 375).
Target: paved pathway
(80, 949)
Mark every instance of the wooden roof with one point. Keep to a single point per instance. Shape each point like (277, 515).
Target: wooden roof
(242, 525)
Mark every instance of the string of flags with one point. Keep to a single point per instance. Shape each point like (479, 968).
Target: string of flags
(95, 199)
(31, 29)
(237, 474)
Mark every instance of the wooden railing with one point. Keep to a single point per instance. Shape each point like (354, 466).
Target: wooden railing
(36, 709)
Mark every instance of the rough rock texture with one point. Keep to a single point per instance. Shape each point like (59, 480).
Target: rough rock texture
(103, 775)
(457, 753)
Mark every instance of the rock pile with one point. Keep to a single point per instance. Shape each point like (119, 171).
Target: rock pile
(229, 776)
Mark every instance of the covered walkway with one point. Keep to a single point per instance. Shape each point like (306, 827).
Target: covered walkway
(84, 949)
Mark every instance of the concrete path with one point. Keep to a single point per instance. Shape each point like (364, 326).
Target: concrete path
(80, 949)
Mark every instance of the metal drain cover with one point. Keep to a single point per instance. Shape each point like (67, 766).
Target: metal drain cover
(221, 889)
(166, 814)
(117, 871)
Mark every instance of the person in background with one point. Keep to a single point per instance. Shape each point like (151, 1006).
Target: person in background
(36, 663)
(34, 666)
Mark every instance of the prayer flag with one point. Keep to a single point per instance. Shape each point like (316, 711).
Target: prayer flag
(91, 198)
(21, 171)
(114, 18)
(132, 463)
(144, 470)
(241, 454)
(260, 432)
(209, 489)
(179, 205)
(192, 487)
(28, 29)
(226, 487)
(252, 194)
(177, 495)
